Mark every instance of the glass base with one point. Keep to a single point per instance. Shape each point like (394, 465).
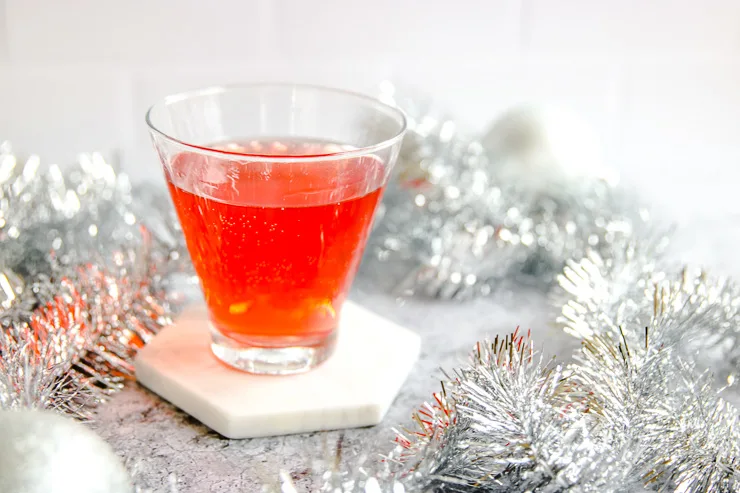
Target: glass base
(261, 360)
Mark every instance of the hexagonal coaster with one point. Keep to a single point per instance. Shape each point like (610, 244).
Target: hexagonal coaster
(354, 388)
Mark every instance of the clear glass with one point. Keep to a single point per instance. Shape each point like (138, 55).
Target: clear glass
(276, 186)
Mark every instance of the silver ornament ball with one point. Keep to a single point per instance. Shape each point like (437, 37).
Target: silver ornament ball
(41, 452)
(541, 146)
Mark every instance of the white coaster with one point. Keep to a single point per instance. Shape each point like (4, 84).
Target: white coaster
(354, 388)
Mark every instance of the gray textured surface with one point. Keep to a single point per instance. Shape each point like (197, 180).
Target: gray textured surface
(165, 444)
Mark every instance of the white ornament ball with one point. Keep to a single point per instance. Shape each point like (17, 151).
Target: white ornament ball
(41, 452)
(543, 146)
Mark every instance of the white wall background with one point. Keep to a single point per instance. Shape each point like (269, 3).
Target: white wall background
(659, 79)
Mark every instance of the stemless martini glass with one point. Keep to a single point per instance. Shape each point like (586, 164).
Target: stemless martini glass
(275, 186)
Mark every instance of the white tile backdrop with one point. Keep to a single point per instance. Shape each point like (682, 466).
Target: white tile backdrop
(658, 79)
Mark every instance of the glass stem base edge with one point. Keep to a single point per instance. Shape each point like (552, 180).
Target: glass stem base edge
(262, 360)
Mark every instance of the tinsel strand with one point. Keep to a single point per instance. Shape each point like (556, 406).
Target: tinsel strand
(466, 227)
(41, 355)
(508, 421)
(629, 414)
(84, 281)
(658, 394)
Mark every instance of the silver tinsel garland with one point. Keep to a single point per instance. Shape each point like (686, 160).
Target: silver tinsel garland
(697, 313)
(638, 409)
(83, 281)
(39, 353)
(465, 225)
(508, 421)
(670, 418)
(631, 413)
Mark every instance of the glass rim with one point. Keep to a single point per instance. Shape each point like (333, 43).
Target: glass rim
(219, 89)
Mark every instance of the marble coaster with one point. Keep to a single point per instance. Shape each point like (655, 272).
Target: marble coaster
(354, 388)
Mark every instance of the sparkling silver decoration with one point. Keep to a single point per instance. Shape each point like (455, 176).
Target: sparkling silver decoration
(333, 473)
(41, 452)
(637, 288)
(660, 415)
(463, 224)
(509, 421)
(676, 332)
(634, 411)
(86, 278)
(87, 212)
(41, 352)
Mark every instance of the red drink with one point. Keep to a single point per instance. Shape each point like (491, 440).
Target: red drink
(275, 228)
(276, 245)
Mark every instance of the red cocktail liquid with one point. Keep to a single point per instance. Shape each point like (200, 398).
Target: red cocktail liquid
(276, 245)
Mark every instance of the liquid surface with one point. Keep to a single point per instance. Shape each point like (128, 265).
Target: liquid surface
(276, 245)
